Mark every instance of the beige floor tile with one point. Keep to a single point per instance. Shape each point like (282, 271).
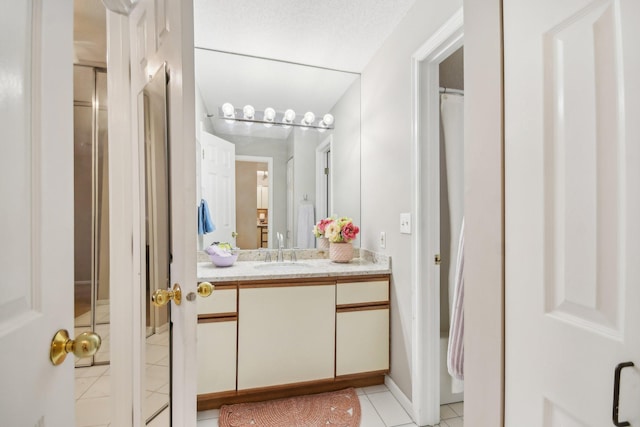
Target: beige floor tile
(93, 412)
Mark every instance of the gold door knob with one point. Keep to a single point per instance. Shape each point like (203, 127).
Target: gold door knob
(234, 234)
(205, 289)
(85, 345)
(161, 297)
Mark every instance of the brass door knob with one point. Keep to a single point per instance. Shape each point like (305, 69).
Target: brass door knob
(85, 345)
(205, 289)
(234, 234)
(161, 297)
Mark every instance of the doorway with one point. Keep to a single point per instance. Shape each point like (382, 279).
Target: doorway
(254, 201)
(431, 188)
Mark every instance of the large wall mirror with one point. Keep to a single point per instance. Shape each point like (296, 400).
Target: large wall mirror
(157, 240)
(260, 179)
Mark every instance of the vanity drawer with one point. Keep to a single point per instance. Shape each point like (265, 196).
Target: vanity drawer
(360, 292)
(223, 300)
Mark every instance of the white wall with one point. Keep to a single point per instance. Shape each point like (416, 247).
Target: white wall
(304, 166)
(386, 163)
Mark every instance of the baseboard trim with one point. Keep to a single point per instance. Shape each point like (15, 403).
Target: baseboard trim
(216, 400)
(400, 396)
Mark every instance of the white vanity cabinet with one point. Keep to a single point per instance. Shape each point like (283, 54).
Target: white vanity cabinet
(267, 339)
(362, 326)
(217, 337)
(286, 333)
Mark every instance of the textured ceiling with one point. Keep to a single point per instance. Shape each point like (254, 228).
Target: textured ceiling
(338, 34)
(333, 34)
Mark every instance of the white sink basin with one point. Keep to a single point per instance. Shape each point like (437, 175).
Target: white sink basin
(281, 265)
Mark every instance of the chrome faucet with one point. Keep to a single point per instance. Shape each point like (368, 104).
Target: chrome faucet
(280, 238)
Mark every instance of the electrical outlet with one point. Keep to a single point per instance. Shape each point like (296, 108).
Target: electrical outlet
(383, 240)
(405, 223)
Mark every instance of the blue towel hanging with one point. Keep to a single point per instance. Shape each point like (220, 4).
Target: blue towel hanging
(204, 218)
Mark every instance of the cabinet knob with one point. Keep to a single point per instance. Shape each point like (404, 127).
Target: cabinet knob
(205, 289)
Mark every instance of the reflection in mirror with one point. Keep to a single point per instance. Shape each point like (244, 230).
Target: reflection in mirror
(91, 208)
(157, 242)
(317, 165)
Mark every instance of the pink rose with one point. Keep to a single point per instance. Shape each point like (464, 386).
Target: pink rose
(350, 231)
(322, 225)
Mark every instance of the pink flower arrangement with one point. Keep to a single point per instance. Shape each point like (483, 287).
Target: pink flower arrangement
(320, 228)
(341, 230)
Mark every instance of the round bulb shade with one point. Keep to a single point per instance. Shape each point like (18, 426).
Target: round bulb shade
(289, 116)
(309, 118)
(248, 111)
(269, 114)
(228, 110)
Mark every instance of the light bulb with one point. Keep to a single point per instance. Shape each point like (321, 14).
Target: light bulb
(327, 120)
(269, 116)
(309, 118)
(248, 112)
(228, 110)
(289, 117)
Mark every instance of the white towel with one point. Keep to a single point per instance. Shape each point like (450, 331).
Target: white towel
(455, 351)
(306, 220)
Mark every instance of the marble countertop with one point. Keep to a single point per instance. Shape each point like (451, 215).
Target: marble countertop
(310, 263)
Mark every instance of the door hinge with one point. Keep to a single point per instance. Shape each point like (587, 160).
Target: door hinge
(326, 171)
(437, 259)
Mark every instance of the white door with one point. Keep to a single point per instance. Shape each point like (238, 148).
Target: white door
(572, 183)
(36, 211)
(219, 186)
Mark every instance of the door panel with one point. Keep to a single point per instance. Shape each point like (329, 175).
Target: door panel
(219, 186)
(572, 201)
(36, 218)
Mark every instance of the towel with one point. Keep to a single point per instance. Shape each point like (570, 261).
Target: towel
(204, 218)
(306, 220)
(455, 351)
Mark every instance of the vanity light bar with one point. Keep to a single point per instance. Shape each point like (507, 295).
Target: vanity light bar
(269, 117)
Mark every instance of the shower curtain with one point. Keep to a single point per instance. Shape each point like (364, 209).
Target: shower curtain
(452, 116)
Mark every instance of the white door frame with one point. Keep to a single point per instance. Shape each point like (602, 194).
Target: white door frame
(269, 162)
(425, 244)
(321, 196)
(123, 267)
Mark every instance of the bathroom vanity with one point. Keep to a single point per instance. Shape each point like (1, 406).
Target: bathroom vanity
(273, 330)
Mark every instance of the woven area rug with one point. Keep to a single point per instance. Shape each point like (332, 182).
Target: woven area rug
(337, 408)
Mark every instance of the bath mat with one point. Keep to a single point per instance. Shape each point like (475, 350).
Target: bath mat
(336, 408)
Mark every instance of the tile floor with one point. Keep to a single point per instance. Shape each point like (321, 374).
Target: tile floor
(93, 388)
(92, 391)
(379, 409)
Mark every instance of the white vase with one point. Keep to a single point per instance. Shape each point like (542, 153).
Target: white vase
(323, 243)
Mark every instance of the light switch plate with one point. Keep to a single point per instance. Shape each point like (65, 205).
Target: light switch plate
(383, 240)
(405, 223)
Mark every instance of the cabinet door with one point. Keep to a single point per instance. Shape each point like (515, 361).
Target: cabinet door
(217, 356)
(362, 341)
(222, 302)
(286, 335)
